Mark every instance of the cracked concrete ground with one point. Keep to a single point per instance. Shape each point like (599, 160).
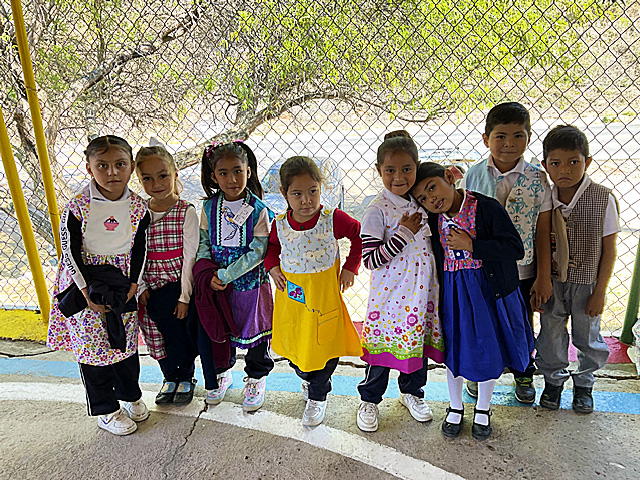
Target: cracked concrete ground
(57, 440)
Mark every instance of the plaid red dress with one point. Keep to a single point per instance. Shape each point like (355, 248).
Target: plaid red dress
(164, 265)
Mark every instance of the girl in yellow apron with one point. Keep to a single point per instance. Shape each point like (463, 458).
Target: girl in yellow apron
(311, 325)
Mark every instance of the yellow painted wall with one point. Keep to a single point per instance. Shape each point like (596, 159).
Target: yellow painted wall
(22, 325)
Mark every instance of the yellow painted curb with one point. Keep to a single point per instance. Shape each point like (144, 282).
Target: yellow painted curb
(22, 325)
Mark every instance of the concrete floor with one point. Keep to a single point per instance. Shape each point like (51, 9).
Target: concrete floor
(45, 433)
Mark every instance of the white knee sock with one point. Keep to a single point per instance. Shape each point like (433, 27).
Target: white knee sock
(455, 385)
(485, 390)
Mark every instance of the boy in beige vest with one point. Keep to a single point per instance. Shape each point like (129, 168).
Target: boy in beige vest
(583, 239)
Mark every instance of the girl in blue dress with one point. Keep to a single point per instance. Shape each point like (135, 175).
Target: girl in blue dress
(482, 311)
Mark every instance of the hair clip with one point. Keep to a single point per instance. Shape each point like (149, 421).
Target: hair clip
(209, 149)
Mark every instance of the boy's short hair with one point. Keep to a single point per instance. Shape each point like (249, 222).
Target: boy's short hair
(565, 137)
(505, 113)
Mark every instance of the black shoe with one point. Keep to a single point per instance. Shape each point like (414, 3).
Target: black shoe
(582, 399)
(525, 393)
(449, 429)
(550, 397)
(185, 391)
(481, 432)
(472, 389)
(166, 393)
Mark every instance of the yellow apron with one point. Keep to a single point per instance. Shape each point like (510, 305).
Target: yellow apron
(311, 324)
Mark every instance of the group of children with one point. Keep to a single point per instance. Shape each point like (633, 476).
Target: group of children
(456, 276)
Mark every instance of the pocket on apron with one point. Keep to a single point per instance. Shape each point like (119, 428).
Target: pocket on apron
(328, 326)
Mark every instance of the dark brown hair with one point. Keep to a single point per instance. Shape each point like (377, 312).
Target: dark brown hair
(396, 141)
(100, 145)
(295, 166)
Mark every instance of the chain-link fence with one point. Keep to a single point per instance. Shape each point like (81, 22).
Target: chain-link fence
(325, 78)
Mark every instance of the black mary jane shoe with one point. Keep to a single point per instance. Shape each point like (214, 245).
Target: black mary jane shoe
(452, 430)
(166, 393)
(481, 432)
(185, 391)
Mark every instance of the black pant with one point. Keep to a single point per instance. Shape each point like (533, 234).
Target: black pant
(525, 289)
(376, 380)
(107, 384)
(258, 362)
(319, 380)
(179, 364)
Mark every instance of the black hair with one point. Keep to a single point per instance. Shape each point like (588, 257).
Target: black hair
(506, 113)
(396, 141)
(295, 166)
(103, 144)
(429, 170)
(236, 149)
(565, 137)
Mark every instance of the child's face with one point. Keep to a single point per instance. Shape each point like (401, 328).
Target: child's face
(231, 175)
(507, 143)
(111, 170)
(303, 196)
(436, 194)
(398, 172)
(566, 167)
(157, 179)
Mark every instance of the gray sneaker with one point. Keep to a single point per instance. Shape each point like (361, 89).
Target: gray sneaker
(314, 413)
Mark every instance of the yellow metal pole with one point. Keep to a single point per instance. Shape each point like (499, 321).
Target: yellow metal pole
(28, 237)
(36, 117)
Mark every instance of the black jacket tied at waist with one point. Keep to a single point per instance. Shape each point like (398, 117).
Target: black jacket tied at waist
(108, 286)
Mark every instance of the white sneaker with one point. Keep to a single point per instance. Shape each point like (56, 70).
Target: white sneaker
(367, 417)
(314, 413)
(214, 397)
(117, 423)
(253, 393)
(417, 407)
(305, 390)
(136, 411)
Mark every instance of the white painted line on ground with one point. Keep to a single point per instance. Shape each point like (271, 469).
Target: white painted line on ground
(331, 439)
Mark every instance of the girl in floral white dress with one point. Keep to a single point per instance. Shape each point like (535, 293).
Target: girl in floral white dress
(402, 327)
(103, 235)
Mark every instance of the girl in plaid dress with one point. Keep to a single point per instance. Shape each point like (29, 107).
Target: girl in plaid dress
(234, 231)
(172, 243)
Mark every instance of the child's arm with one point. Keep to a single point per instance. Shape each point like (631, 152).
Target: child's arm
(272, 259)
(346, 227)
(190, 244)
(256, 254)
(595, 303)
(138, 255)
(204, 244)
(71, 240)
(542, 288)
(375, 252)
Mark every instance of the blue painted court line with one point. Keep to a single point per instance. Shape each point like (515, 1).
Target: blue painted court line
(617, 402)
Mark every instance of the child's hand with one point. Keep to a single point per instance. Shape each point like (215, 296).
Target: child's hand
(278, 278)
(133, 289)
(595, 304)
(181, 311)
(216, 283)
(541, 292)
(459, 240)
(90, 305)
(144, 296)
(413, 222)
(347, 278)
